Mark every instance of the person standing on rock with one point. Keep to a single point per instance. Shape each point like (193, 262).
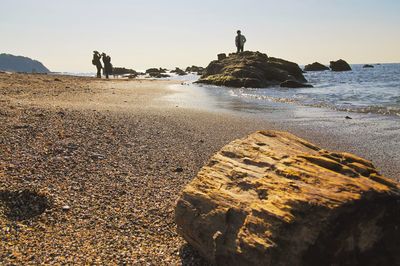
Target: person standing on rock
(97, 63)
(240, 40)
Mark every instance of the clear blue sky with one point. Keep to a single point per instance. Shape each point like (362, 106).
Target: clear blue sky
(141, 33)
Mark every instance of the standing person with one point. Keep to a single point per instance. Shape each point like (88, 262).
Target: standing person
(97, 63)
(240, 40)
(107, 65)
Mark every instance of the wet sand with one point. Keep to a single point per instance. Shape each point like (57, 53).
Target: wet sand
(90, 170)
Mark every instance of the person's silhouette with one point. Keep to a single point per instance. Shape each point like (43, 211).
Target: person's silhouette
(240, 40)
(107, 65)
(97, 63)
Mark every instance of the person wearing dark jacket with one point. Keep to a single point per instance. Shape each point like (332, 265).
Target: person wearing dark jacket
(240, 40)
(107, 65)
(97, 63)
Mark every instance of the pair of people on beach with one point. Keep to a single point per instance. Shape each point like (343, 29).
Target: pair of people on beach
(107, 70)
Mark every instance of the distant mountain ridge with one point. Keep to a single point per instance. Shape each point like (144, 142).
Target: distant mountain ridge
(14, 63)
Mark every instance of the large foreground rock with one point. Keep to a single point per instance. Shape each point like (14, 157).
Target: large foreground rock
(251, 69)
(315, 67)
(275, 199)
(339, 65)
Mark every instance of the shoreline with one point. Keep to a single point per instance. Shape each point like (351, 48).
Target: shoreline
(117, 154)
(371, 136)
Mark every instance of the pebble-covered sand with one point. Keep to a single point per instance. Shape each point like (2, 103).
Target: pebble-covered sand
(90, 170)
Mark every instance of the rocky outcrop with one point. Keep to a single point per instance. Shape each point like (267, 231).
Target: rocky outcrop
(251, 69)
(340, 65)
(368, 66)
(294, 84)
(275, 199)
(221, 56)
(156, 70)
(14, 63)
(124, 71)
(316, 67)
(179, 71)
(195, 69)
(157, 73)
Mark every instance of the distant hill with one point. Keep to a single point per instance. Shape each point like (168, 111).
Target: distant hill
(14, 63)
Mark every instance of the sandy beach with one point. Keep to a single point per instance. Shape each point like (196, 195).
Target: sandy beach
(90, 169)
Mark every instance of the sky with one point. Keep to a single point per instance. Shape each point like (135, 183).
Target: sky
(140, 34)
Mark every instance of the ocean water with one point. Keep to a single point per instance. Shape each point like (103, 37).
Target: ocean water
(364, 90)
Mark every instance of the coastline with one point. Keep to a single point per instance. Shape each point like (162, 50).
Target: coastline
(118, 153)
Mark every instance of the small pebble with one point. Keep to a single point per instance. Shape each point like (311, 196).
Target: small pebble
(178, 170)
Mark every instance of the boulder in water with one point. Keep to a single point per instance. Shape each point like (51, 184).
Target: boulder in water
(368, 66)
(156, 70)
(294, 84)
(339, 65)
(157, 73)
(251, 69)
(274, 199)
(195, 69)
(179, 71)
(123, 71)
(316, 67)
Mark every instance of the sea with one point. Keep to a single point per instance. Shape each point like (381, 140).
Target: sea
(364, 90)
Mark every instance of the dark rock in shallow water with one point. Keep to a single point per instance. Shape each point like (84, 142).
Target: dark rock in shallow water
(157, 73)
(315, 67)
(340, 65)
(272, 198)
(195, 69)
(294, 84)
(251, 69)
(124, 71)
(156, 70)
(368, 66)
(179, 71)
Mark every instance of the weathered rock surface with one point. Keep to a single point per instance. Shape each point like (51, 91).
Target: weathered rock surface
(316, 67)
(274, 199)
(251, 69)
(294, 84)
(339, 65)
